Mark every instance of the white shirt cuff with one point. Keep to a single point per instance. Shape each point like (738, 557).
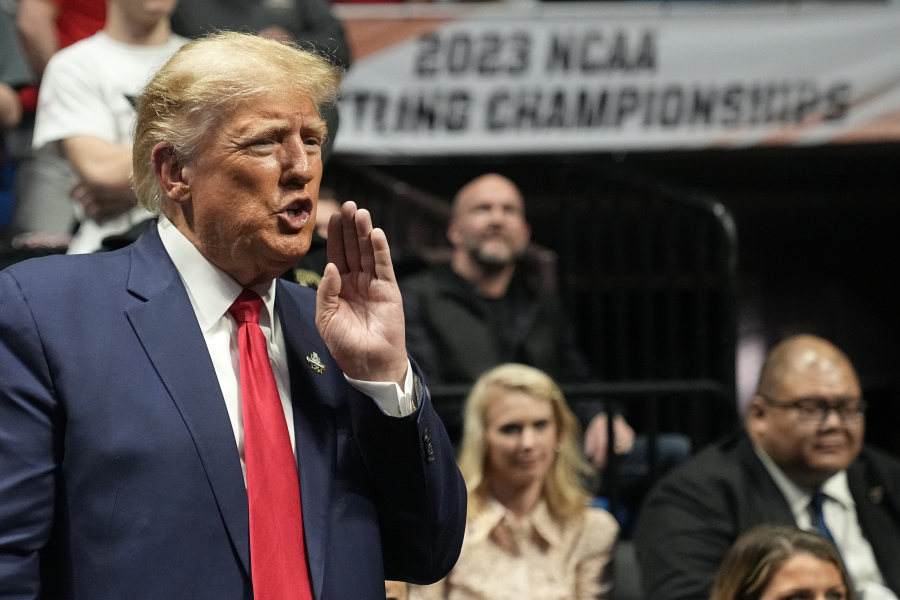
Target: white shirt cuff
(392, 401)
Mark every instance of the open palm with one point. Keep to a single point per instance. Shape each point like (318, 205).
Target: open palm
(359, 312)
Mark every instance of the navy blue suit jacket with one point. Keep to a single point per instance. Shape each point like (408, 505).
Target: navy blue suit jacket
(119, 472)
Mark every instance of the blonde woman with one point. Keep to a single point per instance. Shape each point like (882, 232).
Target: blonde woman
(530, 534)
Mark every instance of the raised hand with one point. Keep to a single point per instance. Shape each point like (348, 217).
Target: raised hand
(359, 313)
(596, 439)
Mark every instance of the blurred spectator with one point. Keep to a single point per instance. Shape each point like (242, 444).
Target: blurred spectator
(44, 178)
(484, 309)
(86, 113)
(10, 107)
(46, 26)
(529, 532)
(801, 462)
(13, 74)
(773, 562)
(308, 23)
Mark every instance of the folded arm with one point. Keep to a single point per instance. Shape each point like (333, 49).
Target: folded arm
(104, 169)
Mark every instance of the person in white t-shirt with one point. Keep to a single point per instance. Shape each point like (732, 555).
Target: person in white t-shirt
(85, 111)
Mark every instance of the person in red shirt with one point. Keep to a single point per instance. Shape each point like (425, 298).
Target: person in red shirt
(49, 25)
(44, 182)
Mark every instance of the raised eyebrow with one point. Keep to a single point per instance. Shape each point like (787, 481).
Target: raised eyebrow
(264, 130)
(798, 592)
(316, 126)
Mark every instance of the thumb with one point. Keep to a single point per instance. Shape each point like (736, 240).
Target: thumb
(327, 299)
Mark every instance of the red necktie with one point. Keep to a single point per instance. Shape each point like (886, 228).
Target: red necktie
(277, 548)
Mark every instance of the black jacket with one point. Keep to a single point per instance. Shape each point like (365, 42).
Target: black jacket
(455, 334)
(693, 515)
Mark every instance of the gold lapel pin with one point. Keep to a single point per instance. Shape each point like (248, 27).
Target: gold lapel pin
(876, 494)
(315, 363)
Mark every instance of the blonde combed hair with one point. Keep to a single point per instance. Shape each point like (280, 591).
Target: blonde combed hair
(565, 496)
(205, 81)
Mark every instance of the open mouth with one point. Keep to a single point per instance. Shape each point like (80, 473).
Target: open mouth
(296, 214)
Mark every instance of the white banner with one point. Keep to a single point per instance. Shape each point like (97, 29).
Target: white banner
(544, 78)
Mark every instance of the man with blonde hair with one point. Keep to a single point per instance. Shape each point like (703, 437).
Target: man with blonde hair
(178, 423)
(800, 462)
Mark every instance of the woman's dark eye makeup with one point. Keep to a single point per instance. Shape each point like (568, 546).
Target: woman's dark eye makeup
(830, 594)
(516, 428)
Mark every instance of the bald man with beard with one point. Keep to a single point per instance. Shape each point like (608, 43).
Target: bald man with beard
(484, 309)
(801, 461)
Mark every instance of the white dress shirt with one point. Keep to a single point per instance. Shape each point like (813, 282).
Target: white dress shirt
(212, 292)
(839, 512)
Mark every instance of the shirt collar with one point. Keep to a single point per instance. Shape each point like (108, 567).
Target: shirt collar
(835, 487)
(495, 515)
(211, 290)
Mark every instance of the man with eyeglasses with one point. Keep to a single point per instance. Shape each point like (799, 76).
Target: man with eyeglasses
(801, 461)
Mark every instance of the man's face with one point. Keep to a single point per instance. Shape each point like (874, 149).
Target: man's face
(146, 11)
(254, 187)
(489, 222)
(807, 452)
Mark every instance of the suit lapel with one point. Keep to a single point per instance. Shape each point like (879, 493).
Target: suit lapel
(314, 429)
(168, 330)
(876, 512)
(769, 503)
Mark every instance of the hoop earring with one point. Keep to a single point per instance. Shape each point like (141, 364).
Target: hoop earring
(558, 447)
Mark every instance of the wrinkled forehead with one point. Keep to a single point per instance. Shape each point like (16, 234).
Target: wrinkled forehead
(265, 111)
(275, 105)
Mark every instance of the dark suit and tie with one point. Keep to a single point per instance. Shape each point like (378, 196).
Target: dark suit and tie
(807, 425)
(120, 475)
(119, 472)
(694, 514)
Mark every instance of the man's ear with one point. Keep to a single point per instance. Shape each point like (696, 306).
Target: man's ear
(756, 410)
(453, 233)
(170, 172)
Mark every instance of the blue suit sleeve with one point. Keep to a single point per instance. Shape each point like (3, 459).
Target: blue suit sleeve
(29, 449)
(421, 495)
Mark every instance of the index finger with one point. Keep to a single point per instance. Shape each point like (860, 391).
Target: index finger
(334, 247)
(349, 238)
